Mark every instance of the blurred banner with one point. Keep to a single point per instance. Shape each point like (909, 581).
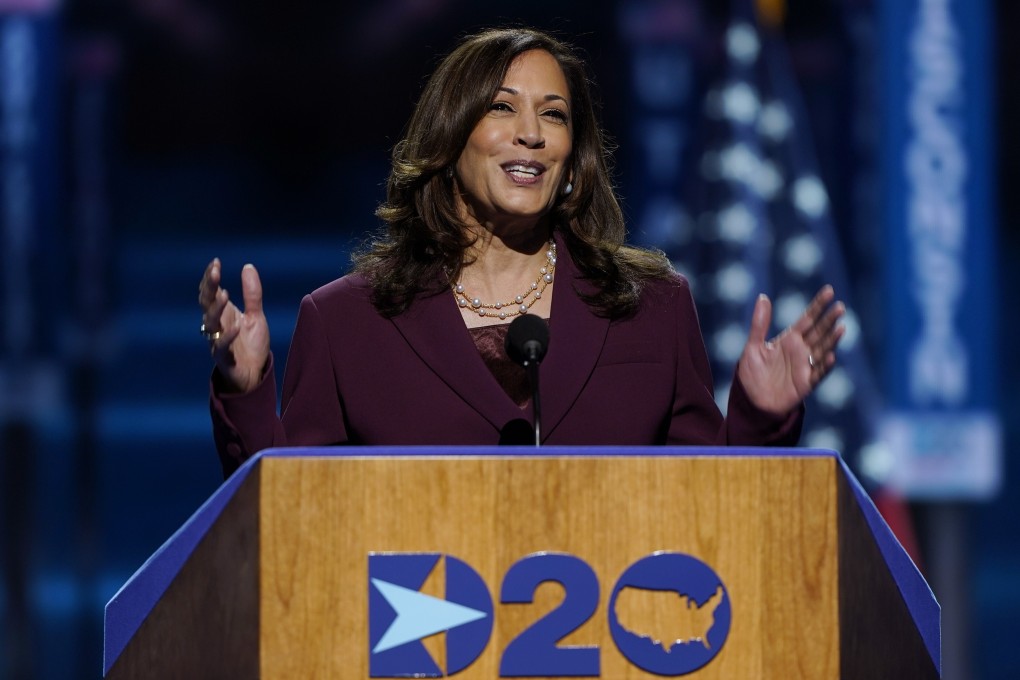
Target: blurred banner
(29, 211)
(941, 434)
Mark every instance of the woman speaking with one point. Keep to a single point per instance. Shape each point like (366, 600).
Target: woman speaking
(500, 204)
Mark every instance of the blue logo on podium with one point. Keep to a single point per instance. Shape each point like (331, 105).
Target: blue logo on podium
(400, 616)
(669, 614)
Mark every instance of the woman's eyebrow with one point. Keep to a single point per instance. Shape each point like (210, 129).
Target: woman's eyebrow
(548, 97)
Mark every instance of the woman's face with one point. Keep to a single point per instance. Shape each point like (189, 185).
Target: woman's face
(514, 164)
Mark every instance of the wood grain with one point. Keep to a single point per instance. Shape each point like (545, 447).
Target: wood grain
(767, 526)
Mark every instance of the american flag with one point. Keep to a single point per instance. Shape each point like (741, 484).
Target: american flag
(759, 220)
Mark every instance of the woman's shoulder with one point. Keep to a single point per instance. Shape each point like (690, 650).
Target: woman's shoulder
(666, 294)
(349, 290)
(650, 270)
(668, 282)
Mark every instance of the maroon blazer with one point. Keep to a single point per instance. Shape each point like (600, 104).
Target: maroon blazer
(355, 377)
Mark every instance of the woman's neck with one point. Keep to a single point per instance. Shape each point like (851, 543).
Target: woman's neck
(498, 268)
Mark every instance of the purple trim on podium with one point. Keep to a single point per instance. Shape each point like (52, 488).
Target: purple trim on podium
(126, 611)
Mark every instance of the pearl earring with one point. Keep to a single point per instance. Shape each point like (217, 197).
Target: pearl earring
(567, 189)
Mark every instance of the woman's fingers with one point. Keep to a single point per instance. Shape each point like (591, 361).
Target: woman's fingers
(761, 319)
(209, 284)
(821, 332)
(228, 320)
(815, 310)
(820, 317)
(213, 300)
(832, 331)
(213, 315)
(251, 289)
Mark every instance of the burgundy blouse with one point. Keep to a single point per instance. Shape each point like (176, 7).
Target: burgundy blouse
(491, 344)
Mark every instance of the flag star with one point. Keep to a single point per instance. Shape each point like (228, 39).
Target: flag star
(728, 343)
(767, 181)
(835, 390)
(877, 461)
(788, 308)
(802, 255)
(824, 438)
(852, 330)
(774, 121)
(737, 224)
(739, 163)
(740, 103)
(742, 43)
(734, 283)
(809, 196)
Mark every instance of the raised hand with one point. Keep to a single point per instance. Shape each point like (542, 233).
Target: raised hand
(778, 374)
(238, 340)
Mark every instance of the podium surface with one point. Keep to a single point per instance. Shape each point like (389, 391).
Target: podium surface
(554, 562)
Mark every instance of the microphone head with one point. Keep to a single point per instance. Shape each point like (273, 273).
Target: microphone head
(527, 339)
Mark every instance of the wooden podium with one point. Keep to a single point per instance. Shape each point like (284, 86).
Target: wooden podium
(276, 574)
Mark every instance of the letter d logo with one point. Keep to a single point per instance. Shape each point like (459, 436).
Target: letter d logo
(400, 616)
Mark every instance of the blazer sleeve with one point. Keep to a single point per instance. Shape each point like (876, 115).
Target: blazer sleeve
(311, 413)
(695, 416)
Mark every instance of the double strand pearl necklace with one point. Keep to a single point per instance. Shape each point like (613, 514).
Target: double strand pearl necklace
(520, 304)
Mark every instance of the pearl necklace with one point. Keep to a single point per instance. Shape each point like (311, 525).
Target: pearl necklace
(520, 304)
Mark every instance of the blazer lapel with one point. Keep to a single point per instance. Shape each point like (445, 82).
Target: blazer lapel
(434, 329)
(576, 338)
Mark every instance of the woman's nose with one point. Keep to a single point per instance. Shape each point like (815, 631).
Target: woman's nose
(529, 132)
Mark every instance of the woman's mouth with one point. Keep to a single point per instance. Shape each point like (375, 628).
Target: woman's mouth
(523, 172)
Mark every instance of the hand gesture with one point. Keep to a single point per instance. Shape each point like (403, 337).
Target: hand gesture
(778, 374)
(238, 340)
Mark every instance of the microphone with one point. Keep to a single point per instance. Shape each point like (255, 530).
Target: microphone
(527, 340)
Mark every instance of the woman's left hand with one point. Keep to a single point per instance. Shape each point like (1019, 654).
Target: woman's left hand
(778, 374)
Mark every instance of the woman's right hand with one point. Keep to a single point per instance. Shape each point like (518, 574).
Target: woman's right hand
(241, 349)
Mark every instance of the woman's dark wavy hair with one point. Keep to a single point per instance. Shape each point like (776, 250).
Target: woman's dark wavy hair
(424, 240)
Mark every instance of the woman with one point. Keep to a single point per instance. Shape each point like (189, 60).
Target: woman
(500, 204)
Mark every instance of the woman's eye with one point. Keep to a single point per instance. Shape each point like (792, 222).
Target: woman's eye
(557, 115)
(500, 106)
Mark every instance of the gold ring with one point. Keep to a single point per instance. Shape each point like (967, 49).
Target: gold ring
(211, 336)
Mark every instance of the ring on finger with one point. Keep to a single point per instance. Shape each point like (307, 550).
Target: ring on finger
(211, 336)
(810, 359)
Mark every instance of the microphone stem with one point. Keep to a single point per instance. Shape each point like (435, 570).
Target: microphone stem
(536, 408)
